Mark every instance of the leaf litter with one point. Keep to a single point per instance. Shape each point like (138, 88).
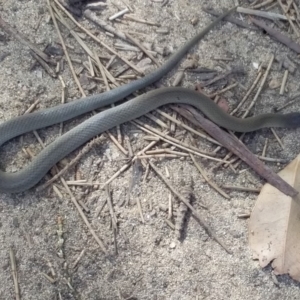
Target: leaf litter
(274, 234)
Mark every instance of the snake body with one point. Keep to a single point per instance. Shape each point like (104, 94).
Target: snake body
(31, 174)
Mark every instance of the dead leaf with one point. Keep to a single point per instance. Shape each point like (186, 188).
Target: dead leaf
(274, 226)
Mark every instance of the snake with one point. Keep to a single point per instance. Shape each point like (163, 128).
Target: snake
(32, 173)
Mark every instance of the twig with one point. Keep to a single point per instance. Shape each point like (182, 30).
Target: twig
(238, 149)
(115, 242)
(170, 210)
(129, 147)
(260, 87)
(14, 273)
(84, 151)
(170, 224)
(65, 49)
(262, 4)
(288, 18)
(7, 28)
(116, 142)
(175, 142)
(135, 42)
(133, 18)
(119, 14)
(125, 167)
(229, 87)
(63, 98)
(32, 106)
(182, 209)
(78, 259)
(181, 124)
(283, 83)
(277, 138)
(96, 39)
(61, 240)
(110, 207)
(158, 151)
(195, 213)
(271, 159)
(230, 19)
(47, 68)
(220, 77)
(138, 202)
(255, 2)
(248, 93)
(241, 188)
(295, 6)
(290, 101)
(156, 120)
(263, 14)
(211, 183)
(278, 36)
(49, 278)
(87, 223)
(265, 147)
(160, 156)
(102, 24)
(101, 69)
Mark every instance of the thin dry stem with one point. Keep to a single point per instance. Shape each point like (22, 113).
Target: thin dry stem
(195, 213)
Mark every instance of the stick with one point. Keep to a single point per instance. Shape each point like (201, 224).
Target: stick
(237, 148)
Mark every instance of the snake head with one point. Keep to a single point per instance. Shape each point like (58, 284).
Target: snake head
(293, 120)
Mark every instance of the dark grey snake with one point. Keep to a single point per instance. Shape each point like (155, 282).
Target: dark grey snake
(31, 174)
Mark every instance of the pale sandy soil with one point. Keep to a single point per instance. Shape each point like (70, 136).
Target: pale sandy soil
(151, 263)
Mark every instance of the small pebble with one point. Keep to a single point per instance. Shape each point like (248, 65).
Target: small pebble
(194, 21)
(172, 245)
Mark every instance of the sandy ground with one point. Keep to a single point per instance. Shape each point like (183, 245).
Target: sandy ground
(151, 263)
